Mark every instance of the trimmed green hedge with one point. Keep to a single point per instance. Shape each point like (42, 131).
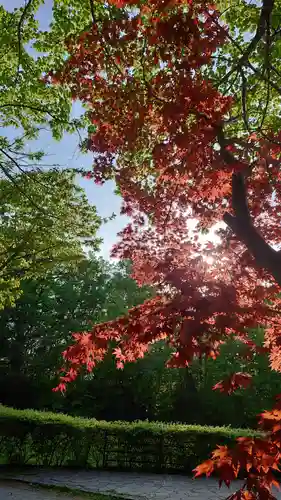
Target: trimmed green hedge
(50, 439)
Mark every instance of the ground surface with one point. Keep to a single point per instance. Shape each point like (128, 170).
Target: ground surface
(129, 485)
(135, 486)
(11, 490)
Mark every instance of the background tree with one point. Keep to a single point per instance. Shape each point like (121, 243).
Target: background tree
(28, 104)
(40, 325)
(45, 219)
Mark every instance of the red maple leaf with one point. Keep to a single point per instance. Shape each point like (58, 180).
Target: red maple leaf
(233, 382)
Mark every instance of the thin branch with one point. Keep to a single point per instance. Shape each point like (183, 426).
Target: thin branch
(244, 101)
(92, 11)
(11, 178)
(30, 173)
(20, 26)
(40, 110)
(227, 156)
(28, 255)
(267, 70)
(31, 107)
(170, 209)
(264, 20)
(245, 61)
(225, 92)
(274, 141)
(275, 70)
(11, 159)
(266, 107)
(104, 45)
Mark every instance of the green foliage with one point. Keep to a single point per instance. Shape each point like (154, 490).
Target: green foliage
(42, 228)
(244, 405)
(63, 300)
(254, 83)
(29, 436)
(45, 219)
(28, 103)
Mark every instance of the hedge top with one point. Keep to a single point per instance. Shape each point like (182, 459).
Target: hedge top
(48, 418)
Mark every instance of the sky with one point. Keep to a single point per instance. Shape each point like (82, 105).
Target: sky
(66, 152)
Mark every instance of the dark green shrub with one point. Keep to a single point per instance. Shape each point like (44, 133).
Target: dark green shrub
(49, 439)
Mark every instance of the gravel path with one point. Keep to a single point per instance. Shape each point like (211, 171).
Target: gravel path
(11, 490)
(132, 485)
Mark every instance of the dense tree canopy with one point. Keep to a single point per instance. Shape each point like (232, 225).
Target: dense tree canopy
(39, 326)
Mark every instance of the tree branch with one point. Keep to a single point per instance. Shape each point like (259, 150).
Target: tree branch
(263, 23)
(241, 224)
(20, 26)
(92, 11)
(244, 59)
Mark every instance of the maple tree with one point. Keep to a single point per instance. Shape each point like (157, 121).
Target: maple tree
(188, 150)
